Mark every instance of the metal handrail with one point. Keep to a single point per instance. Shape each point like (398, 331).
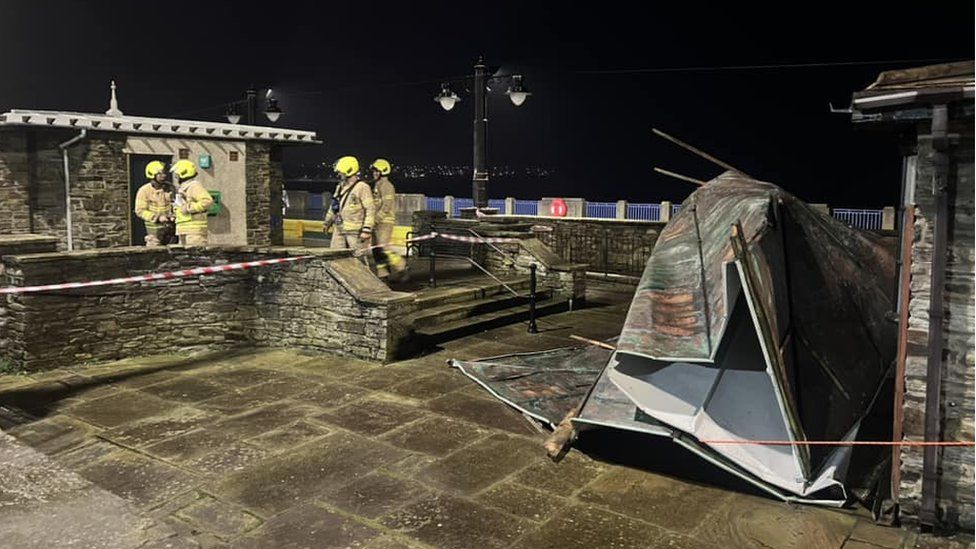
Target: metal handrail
(493, 277)
(492, 246)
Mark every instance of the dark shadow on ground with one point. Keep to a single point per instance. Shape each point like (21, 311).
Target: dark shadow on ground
(39, 400)
(658, 455)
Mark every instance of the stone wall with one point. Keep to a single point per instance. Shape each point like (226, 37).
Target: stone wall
(265, 182)
(329, 302)
(99, 189)
(14, 180)
(606, 245)
(955, 493)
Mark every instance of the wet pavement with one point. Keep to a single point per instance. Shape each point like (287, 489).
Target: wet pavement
(274, 448)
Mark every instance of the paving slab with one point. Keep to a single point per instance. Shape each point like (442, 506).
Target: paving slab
(437, 436)
(652, 498)
(81, 456)
(563, 478)
(877, 535)
(185, 389)
(54, 434)
(289, 436)
(279, 483)
(481, 464)
(218, 517)
(371, 416)
(332, 367)
(239, 400)
(450, 522)
(431, 386)
(305, 527)
(374, 495)
(585, 527)
(189, 446)
(136, 478)
(521, 501)
(174, 422)
(240, 378)
(330, 395)
(750, 521)
(483, 411)
(137, 378)
(261, 420)
(380, 377)
(227, 459)
(120, 408)
(38, 399)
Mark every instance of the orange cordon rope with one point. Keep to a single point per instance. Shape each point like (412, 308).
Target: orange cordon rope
(838, 442)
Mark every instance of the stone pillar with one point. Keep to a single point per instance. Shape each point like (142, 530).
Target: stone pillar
(621, 209)
(665, 212)
(449, 205)
(888, 218)
(509, 205)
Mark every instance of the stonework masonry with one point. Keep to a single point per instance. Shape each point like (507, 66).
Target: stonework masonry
(14, 193)
(265, 182)
(956, 486)
(330, 302)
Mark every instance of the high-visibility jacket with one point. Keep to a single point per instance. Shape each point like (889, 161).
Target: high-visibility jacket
(384, 196)
(352, 209)
(199, 201)
(152, 202)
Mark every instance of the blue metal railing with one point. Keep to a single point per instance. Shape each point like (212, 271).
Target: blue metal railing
(644, 212)
(861, 219)
(460, 203)
(435, 204)
(497, 203)
(526, 207)
(675, 208)
(601, 210)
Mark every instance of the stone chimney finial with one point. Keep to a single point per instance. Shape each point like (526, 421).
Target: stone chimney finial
(113, 104)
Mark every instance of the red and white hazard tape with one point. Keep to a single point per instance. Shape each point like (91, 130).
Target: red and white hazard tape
(155, 276)
(469, 239)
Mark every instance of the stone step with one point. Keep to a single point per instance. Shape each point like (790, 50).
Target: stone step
(449, 312)
(470, 291)
(439, 333)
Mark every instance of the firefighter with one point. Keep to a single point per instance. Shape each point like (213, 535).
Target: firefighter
(191, 205)
(351, 213)
(154, 205)
(384, 196)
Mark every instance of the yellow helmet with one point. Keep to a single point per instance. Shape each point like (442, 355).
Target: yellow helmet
(184, 169)
(382, 165)
(347, 166)
(154, 168)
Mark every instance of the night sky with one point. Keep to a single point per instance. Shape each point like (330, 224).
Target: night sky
(363, 75)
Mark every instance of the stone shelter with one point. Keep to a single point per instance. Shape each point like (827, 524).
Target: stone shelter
(931, 109)
(95, 163)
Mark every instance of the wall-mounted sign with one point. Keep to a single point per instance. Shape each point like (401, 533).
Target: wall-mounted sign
(204, 161)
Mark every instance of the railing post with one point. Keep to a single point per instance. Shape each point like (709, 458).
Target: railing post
(449, 205)
(621, 209)
(533, 329)
(888, 218)
(664, 213)
(509, 205)
(432, 280)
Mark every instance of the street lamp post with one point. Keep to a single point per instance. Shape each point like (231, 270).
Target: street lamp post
(447, 99)
(479, 183)
(271, 110)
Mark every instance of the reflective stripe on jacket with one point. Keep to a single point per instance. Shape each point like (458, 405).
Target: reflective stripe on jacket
(354, 203)
(152, 202)
(384, 195)
(199, 201)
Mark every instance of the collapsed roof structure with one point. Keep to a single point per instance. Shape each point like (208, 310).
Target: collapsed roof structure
(758, 319)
